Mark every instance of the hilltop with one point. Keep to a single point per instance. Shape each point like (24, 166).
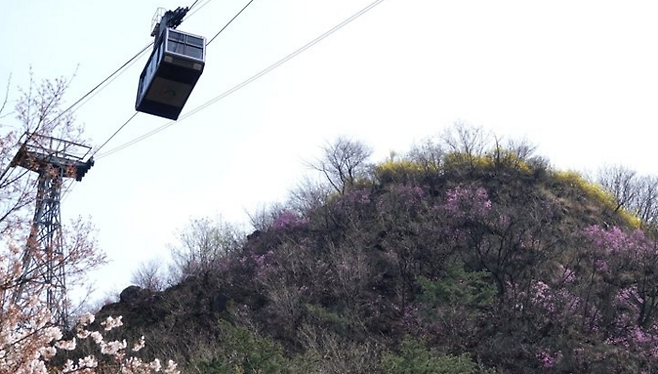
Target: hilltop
(458, 257)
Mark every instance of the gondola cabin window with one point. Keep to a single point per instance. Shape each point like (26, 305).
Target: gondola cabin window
(186, 45)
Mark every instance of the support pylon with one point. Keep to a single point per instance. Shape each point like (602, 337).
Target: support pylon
(44, 256)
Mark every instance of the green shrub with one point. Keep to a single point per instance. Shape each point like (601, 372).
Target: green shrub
(458, 287)
(415, 358)
(244, 352)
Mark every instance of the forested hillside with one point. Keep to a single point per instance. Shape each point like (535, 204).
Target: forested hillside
(461, 256)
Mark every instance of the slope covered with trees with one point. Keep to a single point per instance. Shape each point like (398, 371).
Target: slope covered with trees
(462, 256)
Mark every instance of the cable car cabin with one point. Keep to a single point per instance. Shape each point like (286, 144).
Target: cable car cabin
(171, 73)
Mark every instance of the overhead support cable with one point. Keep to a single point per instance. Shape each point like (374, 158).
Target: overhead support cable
(109, 79)
(194, 9)
(80, 102)
(99, 87)
(229, 22)
(247, 81)
(216, 35)
(115, 133)
(124, 65)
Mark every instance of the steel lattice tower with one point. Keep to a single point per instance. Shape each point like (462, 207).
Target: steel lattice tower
(44, 256)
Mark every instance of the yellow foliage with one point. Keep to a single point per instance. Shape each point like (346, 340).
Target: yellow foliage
(500, 159)
(399, 171)
(594, 191)
(510, 159)
(403, 170)
(400, 166)
(576, 180)
(453, 159)
(632, 220)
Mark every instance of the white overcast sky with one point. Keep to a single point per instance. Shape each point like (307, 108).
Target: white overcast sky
(577, 78)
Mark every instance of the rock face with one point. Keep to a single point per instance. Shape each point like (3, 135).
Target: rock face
(131, 295)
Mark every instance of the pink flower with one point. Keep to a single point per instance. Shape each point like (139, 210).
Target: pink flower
(548, 360)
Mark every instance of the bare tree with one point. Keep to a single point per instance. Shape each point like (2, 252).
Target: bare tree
(202, 244)
(621, 182)
(343, 163)
(645, 203)
(429, 154)
(40, 109)
(465, 140)
(150, 275)
(514, 154)
(308, 195)
(523, 149)
(635, 193)
(264, 216)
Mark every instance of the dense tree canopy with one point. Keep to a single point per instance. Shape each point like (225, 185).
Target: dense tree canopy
(462, 256)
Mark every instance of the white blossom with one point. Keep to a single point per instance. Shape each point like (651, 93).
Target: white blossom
(111, 323)
(139, 345)
(83, 334)
(88, 362)
(67, 345)
(96, 337)
(68, 367)
(86, 319)
(47, 352)
(112, 348)
(155, 365)
(171, 368)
